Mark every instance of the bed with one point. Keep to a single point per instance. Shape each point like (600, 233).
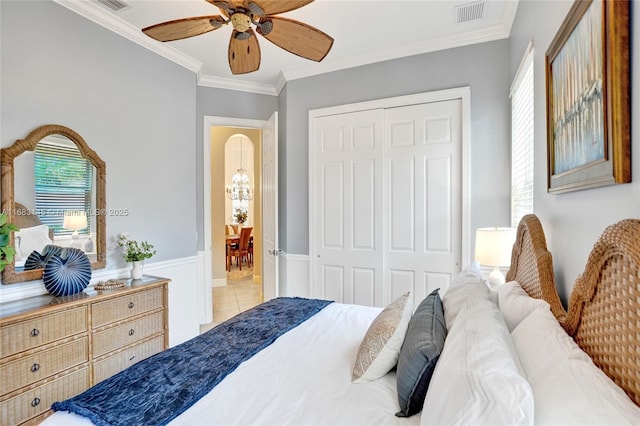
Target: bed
(32, 234)
(510, 356)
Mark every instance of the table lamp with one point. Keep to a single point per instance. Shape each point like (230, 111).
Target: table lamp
(75, 220)
(493, 248)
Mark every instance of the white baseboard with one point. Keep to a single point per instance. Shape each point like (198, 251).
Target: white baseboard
(219, 282)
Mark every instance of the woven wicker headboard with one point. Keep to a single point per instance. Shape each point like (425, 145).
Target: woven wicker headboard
(532, 265)
(604, 306)
(26, 219)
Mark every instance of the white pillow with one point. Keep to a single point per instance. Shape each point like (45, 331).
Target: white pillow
(568, 387)
(515, 304)
(468, 275)
(467, 284)
(32, 238)
(478, 379)
(380, 347)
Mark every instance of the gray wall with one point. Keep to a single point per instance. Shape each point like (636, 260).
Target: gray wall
(572, 221)
(133, 107)
(483, 67)
(223, 103)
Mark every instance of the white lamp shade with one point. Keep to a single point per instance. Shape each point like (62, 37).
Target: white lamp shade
(494, 245)
(75, 219)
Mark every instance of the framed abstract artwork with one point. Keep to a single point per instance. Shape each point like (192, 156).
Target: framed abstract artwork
(588, 98)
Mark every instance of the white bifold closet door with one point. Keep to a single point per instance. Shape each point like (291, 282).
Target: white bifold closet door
(388, 202)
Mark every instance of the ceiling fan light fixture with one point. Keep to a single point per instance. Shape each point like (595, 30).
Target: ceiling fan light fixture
(217, 24)
(255, 9)
(240, 22)
(265, 26)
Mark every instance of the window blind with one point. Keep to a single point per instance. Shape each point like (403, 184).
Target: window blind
(522, 140)
(63, 181)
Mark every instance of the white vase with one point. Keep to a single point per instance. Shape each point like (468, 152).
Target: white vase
(136, 268)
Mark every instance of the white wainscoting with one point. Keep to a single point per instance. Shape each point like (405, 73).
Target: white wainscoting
(186, 306)
(184, 289)
(294, 275)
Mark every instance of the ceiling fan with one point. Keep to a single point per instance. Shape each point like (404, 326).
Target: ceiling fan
(244, 51)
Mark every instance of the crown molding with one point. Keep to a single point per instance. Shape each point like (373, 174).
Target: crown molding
(242, 86)
(94, 12)
(280, 82)
(496, 32)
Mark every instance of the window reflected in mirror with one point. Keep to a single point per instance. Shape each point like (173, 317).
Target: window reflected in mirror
(55, 196)
(63, 200)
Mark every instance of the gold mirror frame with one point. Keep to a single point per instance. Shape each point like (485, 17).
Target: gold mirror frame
(7, 156)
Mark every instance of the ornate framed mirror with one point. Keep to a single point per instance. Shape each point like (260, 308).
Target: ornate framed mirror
(47, 215)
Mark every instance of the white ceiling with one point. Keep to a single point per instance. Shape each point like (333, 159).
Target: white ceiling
(365, 31)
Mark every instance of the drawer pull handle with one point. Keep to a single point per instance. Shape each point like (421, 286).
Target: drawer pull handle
(131, 332)
(131, 359)
(35, 367)
(131, 305)
(35, 402)
(35, 332)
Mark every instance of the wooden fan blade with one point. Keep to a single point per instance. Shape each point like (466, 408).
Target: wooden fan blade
(183, 28)
(274, 7)
(299, 38)
(244, 55)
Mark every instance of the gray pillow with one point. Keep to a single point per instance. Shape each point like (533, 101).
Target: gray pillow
(420, 351)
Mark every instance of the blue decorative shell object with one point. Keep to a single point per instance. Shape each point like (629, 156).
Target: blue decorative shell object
(67, 273)
(37, 260)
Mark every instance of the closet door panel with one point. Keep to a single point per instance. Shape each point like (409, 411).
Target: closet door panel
(423, 178)
(332, 282)
(402, 203)
(437, 218)
(363, 210)
(333, 197)
(348, 199)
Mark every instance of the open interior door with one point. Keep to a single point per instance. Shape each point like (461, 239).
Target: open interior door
(270, 251)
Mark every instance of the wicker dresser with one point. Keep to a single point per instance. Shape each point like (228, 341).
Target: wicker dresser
(53, 348)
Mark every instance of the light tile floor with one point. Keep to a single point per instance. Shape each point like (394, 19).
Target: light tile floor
(238, 296)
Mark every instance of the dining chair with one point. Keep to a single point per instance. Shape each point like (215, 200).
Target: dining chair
(241, 251)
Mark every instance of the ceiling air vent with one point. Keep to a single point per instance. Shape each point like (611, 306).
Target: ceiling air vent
(115, 5)
(470, 12)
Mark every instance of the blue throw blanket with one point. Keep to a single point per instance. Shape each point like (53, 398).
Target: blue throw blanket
(158, 389)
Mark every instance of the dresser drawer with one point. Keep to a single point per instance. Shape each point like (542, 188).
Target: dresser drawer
(31, 368)
(118, 362)
(127, 333)
(36, 401)
(36, 331)
(126, 306)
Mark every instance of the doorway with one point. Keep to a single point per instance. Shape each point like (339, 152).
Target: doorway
(214, 215)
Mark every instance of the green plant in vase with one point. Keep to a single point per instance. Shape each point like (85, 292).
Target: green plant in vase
(135, 253)
(241, 216)
(6, 251)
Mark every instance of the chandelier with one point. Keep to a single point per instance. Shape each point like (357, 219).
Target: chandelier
(240, 188)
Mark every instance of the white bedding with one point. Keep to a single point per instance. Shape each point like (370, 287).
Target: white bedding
(303, 378)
